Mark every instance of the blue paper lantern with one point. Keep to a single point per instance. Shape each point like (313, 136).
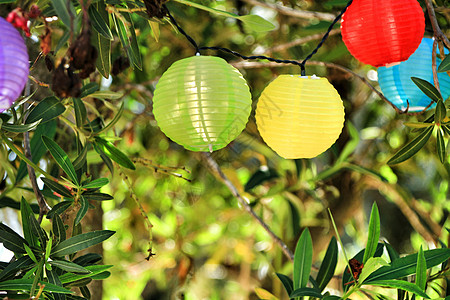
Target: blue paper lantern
(396, 84)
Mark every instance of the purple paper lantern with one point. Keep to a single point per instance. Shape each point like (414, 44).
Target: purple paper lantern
(14, 66)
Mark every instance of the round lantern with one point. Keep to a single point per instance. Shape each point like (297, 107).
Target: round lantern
(202, 103)
(13, 64)
(299, 116)
(396, 84)
(379, 33)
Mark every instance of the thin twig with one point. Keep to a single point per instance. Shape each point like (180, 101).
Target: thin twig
(287, 11)
(300, 41)
(213, 165)
(434, 66)
(438, 34)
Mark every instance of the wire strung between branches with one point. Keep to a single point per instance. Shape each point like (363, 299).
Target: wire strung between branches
(282, 61)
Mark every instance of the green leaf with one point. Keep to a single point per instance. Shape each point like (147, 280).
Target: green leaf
(303, 260)
(21, 264)
(287, 283)
(98, 196)
(26, 211)
(103, 46)
(101, 276)
(400, 284)
(421, 270)
(256, 23)
(259, 177)
(38, 231)
(440, 145)
(89, 88)
(83, 209)
(440, 112)
(11, 240)
(69, 266)
(405, 266)
(96, 183)
(80, 112)
(79, 162)
(94, 269)
(418, 124)
(107, 95)
(372, 264)
(61, 158)
(134, 44)
(80, 242)
(30, 253)
(328, 266)
(7, 1)
(373, 234)
(427, 88)
(393, 255)
(124, 36)
(20, 128)
(56, 187)
(54, 279)
(25, 285)
(98, 23)
(306, 291)
(445, 64)
(37, 146)
(351, 145)
(105, 159)
(66, 14)
(412, 147)
(88, 259)
(115, 154)
(114, 120)
(59, 231)
(47, 109)
(59, 208)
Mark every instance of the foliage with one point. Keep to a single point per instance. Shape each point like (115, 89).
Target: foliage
(85, 129)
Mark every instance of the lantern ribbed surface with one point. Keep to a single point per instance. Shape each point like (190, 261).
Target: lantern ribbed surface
(381, 32)
(299, 116)
(202, 103)
(396, 84)
(14, 64)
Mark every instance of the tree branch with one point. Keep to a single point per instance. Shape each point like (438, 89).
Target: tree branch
(213, 165)
(287, 11)
(438, 34)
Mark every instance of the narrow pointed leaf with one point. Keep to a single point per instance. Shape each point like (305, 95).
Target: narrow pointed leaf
(80, 242)
(98, 23)
(373, 234)
(133, 42)
(412, 147)
(303, 260)
(328, 266)
(115, 154)
(61, 158)
(421, 270)
(400, 284)
(103, 46)
(440, 112)
(38, 231)
(418, 124)
(80, 112)
(12, 241)
(59, 231)
(124, 34)
(82, 211)
(256, 23)
(96, 183)
(108, 162)
(372, 264)
(80, 161)
(69, 266)
(98, 196)
(54, 279)
(59, 208)
(405, 266)
(445, 64)
(25, 285)
(393, 254)
(56, 187)
(26, 211)
(20, 128)
(114, 120)
(287, 283)
(46, 110)
(88, 259)
(306, 291)
(65, 11)
(427, 88)
(440, 145)
(94, 269)
(21, 264)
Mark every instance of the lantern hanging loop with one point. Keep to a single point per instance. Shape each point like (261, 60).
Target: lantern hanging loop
(281, 61)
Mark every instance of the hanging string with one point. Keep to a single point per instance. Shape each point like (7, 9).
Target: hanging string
(282, 61)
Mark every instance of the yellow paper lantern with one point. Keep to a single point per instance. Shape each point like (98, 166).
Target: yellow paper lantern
(202, 103)
(299, 116)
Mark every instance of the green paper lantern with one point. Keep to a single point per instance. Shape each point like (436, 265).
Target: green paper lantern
(202, 103)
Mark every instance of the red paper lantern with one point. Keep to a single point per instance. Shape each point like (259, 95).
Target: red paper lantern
(382, 32)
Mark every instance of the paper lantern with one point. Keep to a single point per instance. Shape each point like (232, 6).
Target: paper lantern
(13, 64)
(202, 103)
(379, 33)
(299, 116)
(396, 84)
